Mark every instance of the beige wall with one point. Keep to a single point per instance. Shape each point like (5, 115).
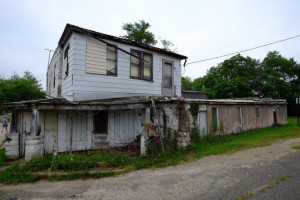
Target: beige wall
(228, 116)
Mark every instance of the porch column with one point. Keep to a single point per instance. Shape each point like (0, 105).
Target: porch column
(144, 136)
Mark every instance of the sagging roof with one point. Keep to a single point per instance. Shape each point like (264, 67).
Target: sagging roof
(69, 29)
(129, 103)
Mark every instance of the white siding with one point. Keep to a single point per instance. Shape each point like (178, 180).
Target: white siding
(86, 86)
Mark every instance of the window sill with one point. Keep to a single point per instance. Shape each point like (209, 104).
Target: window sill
(149, 80)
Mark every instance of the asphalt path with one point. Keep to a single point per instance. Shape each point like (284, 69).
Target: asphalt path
(213, 177)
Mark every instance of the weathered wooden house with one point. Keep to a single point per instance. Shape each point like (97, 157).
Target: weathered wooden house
(98, 89)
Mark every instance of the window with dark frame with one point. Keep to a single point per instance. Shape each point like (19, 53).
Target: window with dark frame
(100, 122)
(54, 76)
(111, 61)
(141, 68)
(66, 56)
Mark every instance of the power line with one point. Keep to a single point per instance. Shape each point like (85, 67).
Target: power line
(244, 50)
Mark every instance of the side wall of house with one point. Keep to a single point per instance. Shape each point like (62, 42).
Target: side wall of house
(228, 116)
(86, 86)
(54, 74)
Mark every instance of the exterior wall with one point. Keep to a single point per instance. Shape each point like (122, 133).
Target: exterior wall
(55, 71)
(93, 86)
(228, 116)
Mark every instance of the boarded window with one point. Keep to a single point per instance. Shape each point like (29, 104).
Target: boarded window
(257, 111)
(96, 54)
(141, 68)
(79, 130)
(100, 122)
(239, 115)
(215, 120)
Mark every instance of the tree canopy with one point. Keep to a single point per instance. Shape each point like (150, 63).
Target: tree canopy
(18, 88)
(237, 77)
(138, 32)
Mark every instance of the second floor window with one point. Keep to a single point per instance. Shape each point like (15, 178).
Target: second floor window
(111, 61)
(141, 68)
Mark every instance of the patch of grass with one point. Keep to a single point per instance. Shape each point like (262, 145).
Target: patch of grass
(3, 158)
(264, 188)
(80, 165)
(246, 196)
(78, 175)
(214, 145)
(296, 147)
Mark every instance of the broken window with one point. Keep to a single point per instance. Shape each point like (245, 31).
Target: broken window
(66, 57)
(111, 61)
(141, 68)
(100, 122)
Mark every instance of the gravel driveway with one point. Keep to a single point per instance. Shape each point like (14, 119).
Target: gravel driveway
(212, 177)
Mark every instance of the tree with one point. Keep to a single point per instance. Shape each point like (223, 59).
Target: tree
(167, 44)
(235, 77)
(276, 77)
(186, 83)
(20, 89)
(138, 32)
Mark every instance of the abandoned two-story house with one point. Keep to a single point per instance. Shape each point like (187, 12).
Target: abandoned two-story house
(98, 89)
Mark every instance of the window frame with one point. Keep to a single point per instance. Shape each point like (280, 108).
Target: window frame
(96, 116)
(116, 60)
(66, 56)
(141, 66)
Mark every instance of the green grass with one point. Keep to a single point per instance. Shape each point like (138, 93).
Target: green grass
(107, 163)
(3, 159)
(296, 147)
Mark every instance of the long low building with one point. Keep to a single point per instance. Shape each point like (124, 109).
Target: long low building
(57, 125)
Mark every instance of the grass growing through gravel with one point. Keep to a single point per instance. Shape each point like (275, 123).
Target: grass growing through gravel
(296, 147)
(102, 163)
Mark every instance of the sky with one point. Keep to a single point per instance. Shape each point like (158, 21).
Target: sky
(199, 29)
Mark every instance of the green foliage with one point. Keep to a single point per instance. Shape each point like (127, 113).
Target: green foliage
(186, 83)
(237, 77)
(138, 32)
(3, 158)
(166, 44)
(20, 89)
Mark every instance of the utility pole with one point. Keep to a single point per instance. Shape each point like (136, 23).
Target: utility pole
(49, 55)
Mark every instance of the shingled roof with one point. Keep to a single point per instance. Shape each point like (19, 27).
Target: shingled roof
(69, 29)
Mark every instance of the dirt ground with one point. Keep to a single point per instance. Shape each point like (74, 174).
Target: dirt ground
(212, 177)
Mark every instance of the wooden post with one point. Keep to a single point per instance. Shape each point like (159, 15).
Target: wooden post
(71, 131)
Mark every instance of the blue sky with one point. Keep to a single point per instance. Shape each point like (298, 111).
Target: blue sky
(199, 29)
